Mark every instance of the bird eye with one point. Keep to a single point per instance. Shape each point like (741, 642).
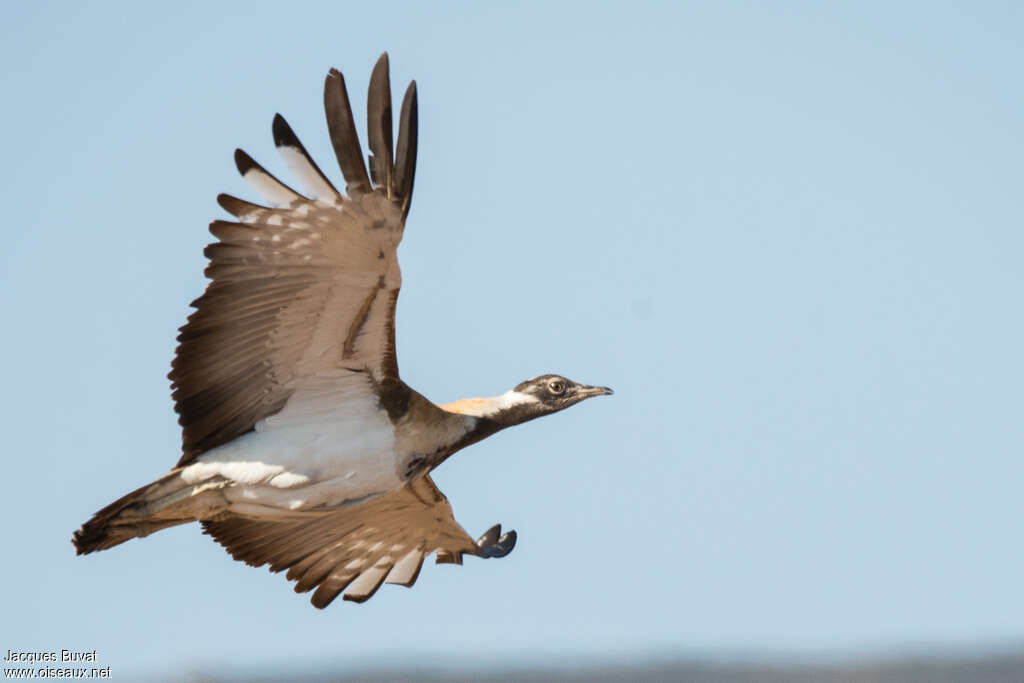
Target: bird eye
(556, 387)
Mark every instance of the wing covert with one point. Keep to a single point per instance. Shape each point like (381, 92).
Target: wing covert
(355, 549)
(303, 286)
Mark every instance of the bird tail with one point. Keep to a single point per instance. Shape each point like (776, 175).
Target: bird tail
(166, 502)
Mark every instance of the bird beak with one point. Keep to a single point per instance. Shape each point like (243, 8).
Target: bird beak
(588, 391)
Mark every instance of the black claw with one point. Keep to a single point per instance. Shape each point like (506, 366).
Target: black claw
(489, 537)
(491, 545)
(506, 543)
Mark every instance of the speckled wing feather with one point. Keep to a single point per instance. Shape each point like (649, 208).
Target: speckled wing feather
(357, 548)
(304, 285)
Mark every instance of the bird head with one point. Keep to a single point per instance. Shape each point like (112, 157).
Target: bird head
(542, 396)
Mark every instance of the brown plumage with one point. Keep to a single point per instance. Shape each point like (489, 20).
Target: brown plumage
(302, 448)
(331, 552)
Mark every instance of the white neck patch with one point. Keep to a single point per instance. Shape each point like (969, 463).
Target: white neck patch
(514, 398)
(509, 399)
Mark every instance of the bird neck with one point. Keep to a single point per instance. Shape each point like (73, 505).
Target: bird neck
(488, 416)
(511, 408)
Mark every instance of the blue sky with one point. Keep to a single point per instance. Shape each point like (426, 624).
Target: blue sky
(788, 235)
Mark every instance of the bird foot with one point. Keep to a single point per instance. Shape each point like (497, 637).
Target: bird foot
(495, 544)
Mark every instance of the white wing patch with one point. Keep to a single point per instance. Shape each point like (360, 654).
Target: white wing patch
(312, 182)
(330, 445)
(269, 187)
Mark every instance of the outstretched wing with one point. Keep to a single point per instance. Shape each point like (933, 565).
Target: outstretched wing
(304, 285)
(357, 548)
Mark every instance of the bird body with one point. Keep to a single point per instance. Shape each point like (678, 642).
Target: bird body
(329, 446)
(302, 448)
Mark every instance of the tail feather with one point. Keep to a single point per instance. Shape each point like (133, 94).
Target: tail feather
(146, 510)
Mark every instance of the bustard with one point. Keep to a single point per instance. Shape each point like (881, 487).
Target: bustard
(302, 448)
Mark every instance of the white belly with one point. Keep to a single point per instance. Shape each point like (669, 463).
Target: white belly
(326, 448)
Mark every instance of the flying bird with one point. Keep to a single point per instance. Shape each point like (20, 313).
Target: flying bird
(302, 448)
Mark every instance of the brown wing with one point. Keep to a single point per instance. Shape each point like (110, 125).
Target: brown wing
(357, 548)
(306, 285)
